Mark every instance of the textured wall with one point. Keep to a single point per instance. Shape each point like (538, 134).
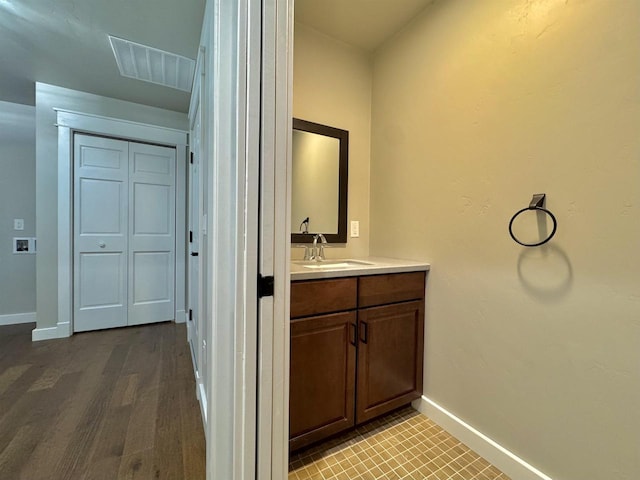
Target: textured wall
(17, 200)
(477, 106)
(332, 86)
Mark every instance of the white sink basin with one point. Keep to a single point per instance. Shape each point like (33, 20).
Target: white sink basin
(333, 264)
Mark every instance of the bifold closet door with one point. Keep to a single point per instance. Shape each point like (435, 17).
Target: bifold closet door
(124, 233)
(101, 190)
(152, 229)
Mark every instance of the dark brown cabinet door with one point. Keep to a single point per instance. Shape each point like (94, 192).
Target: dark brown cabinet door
(391, 344)
(322, 377)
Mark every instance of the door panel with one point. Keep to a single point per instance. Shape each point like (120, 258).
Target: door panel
(194, 247)
(322, 379)
(150, 163)
(93, 193)
(152, 233)
(100, 233)
(152, 209)
(101, 153)
(153, 283)
(197, 261)
(101, 276)
(390, 353)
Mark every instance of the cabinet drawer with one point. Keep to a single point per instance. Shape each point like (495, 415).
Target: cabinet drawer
(323, 296)
(396, 287)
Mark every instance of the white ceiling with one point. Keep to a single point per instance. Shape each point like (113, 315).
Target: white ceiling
(363, 23)
(65, 43)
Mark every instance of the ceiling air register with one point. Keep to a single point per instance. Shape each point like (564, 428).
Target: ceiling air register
(152, 65)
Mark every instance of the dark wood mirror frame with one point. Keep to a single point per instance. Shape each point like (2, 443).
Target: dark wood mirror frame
(343, 136)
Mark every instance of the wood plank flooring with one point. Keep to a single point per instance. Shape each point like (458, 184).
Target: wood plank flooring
(114, 404)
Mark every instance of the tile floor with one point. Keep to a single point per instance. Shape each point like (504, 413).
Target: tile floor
(402, 445)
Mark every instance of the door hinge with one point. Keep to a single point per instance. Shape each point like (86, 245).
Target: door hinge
(191, 159)
(190, 236)
(265, 286)
(190, 314)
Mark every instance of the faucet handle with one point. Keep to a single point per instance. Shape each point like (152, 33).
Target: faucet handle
(307, 253)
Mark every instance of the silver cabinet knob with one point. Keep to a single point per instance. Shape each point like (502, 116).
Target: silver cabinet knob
(101, 244)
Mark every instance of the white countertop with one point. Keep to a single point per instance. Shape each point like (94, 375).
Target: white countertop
(360, 266)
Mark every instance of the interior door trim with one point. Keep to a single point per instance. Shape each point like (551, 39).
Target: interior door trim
(69, 122)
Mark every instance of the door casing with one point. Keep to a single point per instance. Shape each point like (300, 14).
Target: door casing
(68, 123)
(197, 268)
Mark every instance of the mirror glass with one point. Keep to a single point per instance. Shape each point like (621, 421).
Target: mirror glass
(319, 182)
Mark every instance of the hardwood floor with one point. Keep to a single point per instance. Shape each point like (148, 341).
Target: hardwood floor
(114, 404)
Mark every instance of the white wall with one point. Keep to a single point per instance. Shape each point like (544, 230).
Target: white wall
(49, 97)
(332, 86)
(17, 200)
(477, 106)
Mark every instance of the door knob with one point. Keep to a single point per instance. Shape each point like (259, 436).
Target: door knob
(101, 244)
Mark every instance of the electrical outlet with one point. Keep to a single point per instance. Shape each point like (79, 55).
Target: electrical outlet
(18, 224)
(355, 228)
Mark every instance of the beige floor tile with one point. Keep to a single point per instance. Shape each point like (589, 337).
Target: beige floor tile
(403, 445)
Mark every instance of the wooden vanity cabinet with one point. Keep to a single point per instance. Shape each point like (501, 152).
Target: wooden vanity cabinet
(356, 351)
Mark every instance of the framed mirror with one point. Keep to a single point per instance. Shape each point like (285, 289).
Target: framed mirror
(320, 163)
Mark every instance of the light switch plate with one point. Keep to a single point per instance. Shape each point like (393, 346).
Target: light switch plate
(355, 228)
(18, 224)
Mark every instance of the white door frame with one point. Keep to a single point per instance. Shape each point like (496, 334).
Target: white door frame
(231, 151)
(198, 344)
(273, 349)
(69, 122)
(232, 35)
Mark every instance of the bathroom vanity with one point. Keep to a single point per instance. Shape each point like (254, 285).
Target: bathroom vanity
(357, 341)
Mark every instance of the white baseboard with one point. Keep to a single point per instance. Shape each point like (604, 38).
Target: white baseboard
(190, 335)
(202, 396)
(499, 456)
(44, 334)
(17, 318)
(181, 316)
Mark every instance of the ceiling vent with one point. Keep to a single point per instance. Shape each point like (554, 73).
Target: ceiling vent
(152, 65)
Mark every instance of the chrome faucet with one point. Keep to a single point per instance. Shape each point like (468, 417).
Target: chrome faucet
(317, 253)
(308, 253)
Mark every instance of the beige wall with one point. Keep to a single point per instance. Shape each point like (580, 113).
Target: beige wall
(477, 106)
(332, 86)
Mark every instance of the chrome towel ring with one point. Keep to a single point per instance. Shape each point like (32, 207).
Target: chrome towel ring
(537, 203)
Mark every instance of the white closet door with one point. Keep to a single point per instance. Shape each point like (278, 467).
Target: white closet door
(151, 233)
(100, 233)
(195, 211)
